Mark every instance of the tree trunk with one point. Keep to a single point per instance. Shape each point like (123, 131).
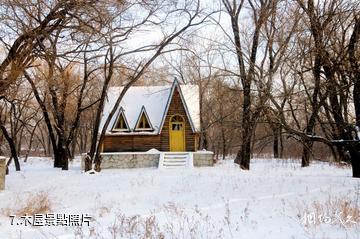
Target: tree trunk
(281, 144)
(1, 141)
(57, 159)
(342, 155)
(19, 142)
(246, 76)
(203, 141)
(353, 47)
(58, 153)
(276, 135)
(50, 147)
(305, 159)
(355, 161)
(61, 154)
(243, 157)
(12, 147)
(356, 94)
(65, 159)
(223, 137)
(308, 144)
(31, 141)
(73, 149)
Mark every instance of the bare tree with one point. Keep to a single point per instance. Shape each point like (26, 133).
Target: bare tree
(256, 71)
(33, 23)
(18, 111)
(192, 17)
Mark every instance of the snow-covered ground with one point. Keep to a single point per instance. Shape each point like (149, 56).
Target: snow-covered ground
(275, 199)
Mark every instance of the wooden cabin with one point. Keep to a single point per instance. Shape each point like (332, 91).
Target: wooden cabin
(166, 118)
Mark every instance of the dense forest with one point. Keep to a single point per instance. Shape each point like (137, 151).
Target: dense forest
(276, 78)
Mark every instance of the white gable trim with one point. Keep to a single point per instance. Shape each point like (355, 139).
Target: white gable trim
(143, 111)
(176, 85)
(121, 112)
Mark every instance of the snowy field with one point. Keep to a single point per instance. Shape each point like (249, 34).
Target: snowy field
(275, 199)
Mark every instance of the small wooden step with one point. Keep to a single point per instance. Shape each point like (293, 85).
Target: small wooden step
(175, 160)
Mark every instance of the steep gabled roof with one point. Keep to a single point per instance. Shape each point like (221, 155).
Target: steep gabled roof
(185, 102)
(155, 100)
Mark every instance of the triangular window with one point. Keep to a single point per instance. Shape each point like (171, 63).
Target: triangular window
(121, 123)
(143, 122)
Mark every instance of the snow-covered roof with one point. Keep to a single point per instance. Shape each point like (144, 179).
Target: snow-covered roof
(155, 100)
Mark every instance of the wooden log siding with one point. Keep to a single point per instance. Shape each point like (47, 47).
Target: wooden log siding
(176, 107)
(142, 143)
(131, 143)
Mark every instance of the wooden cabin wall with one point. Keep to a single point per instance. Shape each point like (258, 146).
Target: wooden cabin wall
(176, 107)
(131, 143)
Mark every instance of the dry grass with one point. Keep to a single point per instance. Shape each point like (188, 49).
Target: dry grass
(103, 211)
(123, 227)
(341, 164)
(38, 203)
(172, 222)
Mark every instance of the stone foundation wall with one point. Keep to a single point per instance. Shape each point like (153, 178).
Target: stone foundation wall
(145, 160)
(2, 172)
(127, 160)
(130, 160)
(203, 159)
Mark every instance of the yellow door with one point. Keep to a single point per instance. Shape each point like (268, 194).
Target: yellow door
(177, 134)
